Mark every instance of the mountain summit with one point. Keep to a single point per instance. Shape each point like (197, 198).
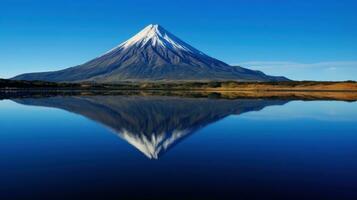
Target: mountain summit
(153, 54)
(155, 35)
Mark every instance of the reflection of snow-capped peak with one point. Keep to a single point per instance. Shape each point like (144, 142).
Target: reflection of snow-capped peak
(154, 145)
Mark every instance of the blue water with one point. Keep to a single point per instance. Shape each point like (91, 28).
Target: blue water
(74, 147)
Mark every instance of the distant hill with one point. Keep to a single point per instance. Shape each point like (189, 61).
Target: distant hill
(153, 54)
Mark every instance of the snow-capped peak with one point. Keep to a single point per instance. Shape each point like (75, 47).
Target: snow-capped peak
(150, 32)
(156, 35)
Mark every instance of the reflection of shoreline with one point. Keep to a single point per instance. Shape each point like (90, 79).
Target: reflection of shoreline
(219, 94)
(152, 124)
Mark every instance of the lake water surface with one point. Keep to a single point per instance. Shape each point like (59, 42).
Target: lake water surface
(154, 147)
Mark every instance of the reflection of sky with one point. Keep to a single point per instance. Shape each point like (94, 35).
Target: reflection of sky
(315, 110)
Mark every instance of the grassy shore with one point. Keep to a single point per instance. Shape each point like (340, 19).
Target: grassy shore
(293, 90)
(288, 95)
(202, 86)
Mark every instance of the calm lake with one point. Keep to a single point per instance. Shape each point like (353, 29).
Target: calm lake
(166, 147)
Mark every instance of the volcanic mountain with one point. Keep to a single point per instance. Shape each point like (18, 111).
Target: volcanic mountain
(154, 54)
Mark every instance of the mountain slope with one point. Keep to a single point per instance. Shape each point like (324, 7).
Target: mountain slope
(153, 54)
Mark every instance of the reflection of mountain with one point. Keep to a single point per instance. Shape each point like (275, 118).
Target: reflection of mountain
(152, 124)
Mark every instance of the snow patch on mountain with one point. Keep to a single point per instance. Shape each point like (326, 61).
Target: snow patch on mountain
(155, 35)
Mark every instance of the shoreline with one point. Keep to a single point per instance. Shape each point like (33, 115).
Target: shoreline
(349, 96)
(294, 90)
(234, 86)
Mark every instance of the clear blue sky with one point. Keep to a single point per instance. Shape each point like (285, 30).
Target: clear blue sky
(315, 39)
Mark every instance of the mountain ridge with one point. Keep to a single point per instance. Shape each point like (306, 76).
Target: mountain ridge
(153, 54)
